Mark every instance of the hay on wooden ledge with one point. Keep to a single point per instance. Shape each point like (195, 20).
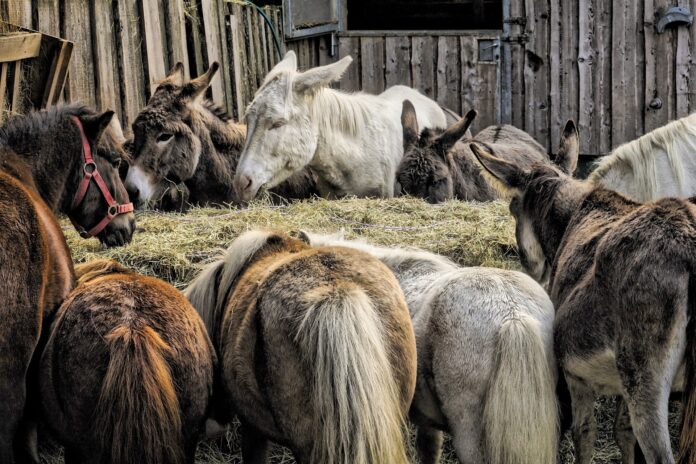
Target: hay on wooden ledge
(173, 246)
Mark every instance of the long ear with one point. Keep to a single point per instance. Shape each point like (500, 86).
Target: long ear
(456, 131)
(199, 85)
(95, 124)
(175, 76)
(409, 122)
(288, 63)
(568, 148)
(503, 171)
(315, 78)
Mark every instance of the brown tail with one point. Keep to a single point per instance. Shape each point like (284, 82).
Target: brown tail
(687, 441)
(137, 415)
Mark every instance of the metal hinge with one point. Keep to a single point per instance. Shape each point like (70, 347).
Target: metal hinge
(520, 39)
(521, 20)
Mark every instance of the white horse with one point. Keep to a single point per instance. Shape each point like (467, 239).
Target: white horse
(486, 367)
(353, 142)
(662, 163)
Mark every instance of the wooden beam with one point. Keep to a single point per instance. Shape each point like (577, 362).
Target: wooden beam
(3, 89)
(21, 46)
(57, 75)
(16, 87)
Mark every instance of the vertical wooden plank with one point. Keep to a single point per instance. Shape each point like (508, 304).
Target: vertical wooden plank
(603, 81)
(3, 89)
(569, 97)
(586, 64)
(196, 37)
(517, 63)
(448, 73)
(556, 119)
(17, 96)
(252, 55)
(372, 60)
(237, 61)
(57, 75)
(20, 13)
(224, 77)
(398, 56)
(263, 46)
(536, 71)
(422, 65)
(325, 51)
(659, 67)
(131, 68)
(153, 33)
(683, 59)
(81, 73)
(211, 26)
(350, 46)
(48, 17)
(105, 64)
(176, 28)
(470, 80)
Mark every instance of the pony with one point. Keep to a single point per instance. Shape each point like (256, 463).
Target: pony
(352, 142)
(658, 164)
(291, 322)
(621, 278)
(438, 166)
(185, 149)
(486, 367)
(42, 169)
(127, 372)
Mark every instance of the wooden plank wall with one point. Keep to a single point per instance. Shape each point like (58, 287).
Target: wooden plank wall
(124, 47)
(445, 67)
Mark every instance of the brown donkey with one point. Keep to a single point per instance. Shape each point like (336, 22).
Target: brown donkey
(316, 349)
(185, 149)
(622, 278)
(41, 169)
(127, 372)
(438, 166)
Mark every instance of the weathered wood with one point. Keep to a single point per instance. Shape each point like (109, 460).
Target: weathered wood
(555, 66)
(398, 56)
(19, 13)
(325, 51)
(263, 46)
(130, 64)
(107, 78)
(3, 89)
(155, 49)
(19, 47)
(568, 104)
(211, 25)
(517, 63)
(237, 61)
(176, 30)
(372, 60)
(81, 70)
(17, 96)
(55, 81)
(665, 48)
(350, 46)
(197, 41)
(48, 15)
(536, 72)
(423, 65)
(225, 62)
(471, 81)
(448, 73)
(652, 119)
(683, 58)
(604, 74)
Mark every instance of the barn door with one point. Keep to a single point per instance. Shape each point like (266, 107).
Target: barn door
(480, 77)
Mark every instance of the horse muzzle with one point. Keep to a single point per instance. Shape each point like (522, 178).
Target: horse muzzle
(119, 232)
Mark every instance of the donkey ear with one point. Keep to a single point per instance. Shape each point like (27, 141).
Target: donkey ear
(568, 148)
(95, 124)
(197, 87)
(456, 131)
(510, 176)
(316, 78)
(409, 122)
(288, 63)
(175, 75)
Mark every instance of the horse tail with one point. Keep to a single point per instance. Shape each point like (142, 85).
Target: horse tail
(137, 415)
(521, 412)
(359, 415)
(687, 440)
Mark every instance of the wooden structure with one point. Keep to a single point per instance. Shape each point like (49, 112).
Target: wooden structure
(33, 68)
(600, 62)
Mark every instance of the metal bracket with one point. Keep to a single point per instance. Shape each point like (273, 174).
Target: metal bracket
(675, 15)
(519, 39)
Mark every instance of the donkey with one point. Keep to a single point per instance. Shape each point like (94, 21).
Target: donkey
(437, 167)
(486, 368)
(41, 166)
(621, 278)
(353, 142)
(291, 322)
(659, 164)
(185, 149)
(127, 373)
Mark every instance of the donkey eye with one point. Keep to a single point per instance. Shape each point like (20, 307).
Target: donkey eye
(164, 137)
(117, 163)
(278, 124)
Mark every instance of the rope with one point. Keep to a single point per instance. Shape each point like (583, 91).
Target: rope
(270, 24)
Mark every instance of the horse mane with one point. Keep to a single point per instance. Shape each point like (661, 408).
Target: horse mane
(639, 155)
(207, 292)
(28, 125)
(91, 270)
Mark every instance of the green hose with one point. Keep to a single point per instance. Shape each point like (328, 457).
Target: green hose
(276, 41)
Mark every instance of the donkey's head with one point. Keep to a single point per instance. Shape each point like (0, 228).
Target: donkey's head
(424, 171)
(542, 199)
(166, 148)
(282, 132)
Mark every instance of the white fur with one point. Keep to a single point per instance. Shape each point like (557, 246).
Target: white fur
(486, 338)
(137, 178)
(662, 163)
(353, 142)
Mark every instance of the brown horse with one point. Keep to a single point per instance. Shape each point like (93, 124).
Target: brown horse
(622, 279)
(127, 372)
(316, 348)
(437, 166)
(185, 149)
(41, 167)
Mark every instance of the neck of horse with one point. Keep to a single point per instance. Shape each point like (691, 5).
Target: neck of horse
(51, 164)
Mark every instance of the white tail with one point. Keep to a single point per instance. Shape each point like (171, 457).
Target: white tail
(359, 413)
(521, 411)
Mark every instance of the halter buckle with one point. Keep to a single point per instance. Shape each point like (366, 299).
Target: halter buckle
(89, 168)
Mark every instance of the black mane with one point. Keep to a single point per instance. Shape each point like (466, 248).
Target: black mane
(28, 126)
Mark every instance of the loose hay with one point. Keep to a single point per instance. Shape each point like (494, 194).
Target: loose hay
(174, 246)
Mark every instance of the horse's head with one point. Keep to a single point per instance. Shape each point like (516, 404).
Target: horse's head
(95, 199)
(282, 134)
(166, 147)
(424, 171)
(539, 197)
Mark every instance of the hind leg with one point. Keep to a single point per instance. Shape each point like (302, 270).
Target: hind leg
(648, 408)
(254, 445)
(623, 433)
(429, 444)
(467, 436)
(584, 427)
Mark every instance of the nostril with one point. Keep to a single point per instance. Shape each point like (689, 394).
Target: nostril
(133, 193)
(247, 182)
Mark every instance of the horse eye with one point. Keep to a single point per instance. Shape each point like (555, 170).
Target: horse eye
(278, 124)
(117, 163)
(164, 137)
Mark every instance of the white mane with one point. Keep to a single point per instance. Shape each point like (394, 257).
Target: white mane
(676, 140)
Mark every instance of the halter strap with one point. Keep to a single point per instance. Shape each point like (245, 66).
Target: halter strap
(92, 173)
